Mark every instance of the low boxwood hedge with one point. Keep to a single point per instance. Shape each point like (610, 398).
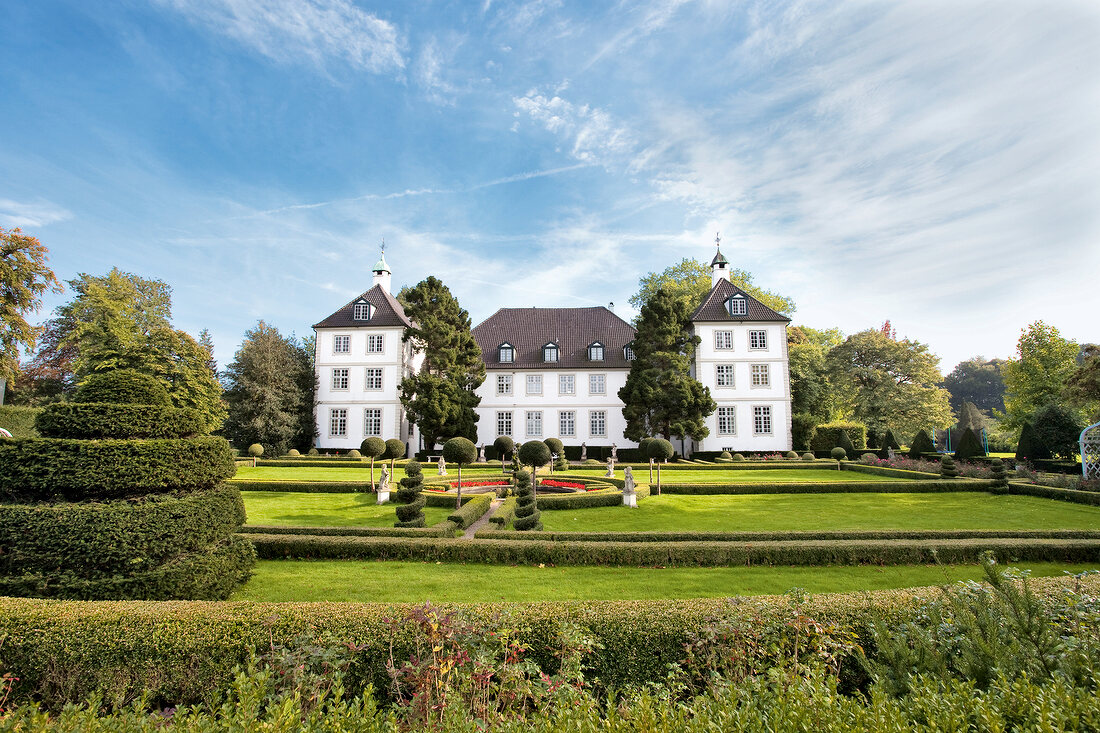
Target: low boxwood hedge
(1050, 492)
(209, 575)
(107, 420)
(55, 468)
(834, 487)
(884, 471)
(652, 554)
(95, 539)
(443, 529)
(504, 514)
(472, 510)
(305, 487)
(916, 534)
(19, 421)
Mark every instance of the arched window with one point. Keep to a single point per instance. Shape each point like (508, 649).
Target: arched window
(550, 353)
(736, 305)
(507, 353)
(595, 351)
(628, 351)
(362, 311)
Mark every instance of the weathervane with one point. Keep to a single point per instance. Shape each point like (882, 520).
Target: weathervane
(717, 240)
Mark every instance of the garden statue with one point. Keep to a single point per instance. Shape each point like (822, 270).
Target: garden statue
(614, 452)
(584, 452)
(610, 468)
(630, 496)
(384, 486)
(442, 466)
(890, 453)
(481, 454)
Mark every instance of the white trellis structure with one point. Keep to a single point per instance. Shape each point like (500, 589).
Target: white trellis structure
(1090, 451)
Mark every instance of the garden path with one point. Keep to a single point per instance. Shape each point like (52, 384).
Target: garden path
(483, 520)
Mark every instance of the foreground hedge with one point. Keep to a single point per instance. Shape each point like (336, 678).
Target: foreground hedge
(442, 529)
(94, 539)
(884, 471)
(835, 487)
(472, 510)
(885, 534)
(1049, 492)
(680, 554)
(305, 487)
(19, 421)
(106, 420)
(183, 652)
(52, 468)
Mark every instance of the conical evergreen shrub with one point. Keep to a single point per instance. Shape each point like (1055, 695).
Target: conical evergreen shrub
(970, 445)
(845, 441)
(872, 439)
(947, 467)
(889, 441)
(1029, 447)
(921, 444)
(527, 513)
(410, 504)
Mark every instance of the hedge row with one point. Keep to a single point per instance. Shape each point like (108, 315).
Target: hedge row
(443, 529)
(1050, 492)
(652, 554)
(93, 539)
(504, 514)
(884, 471)
(471, 510)
(306, 487)
(52, 468)
(587, 500)
(887, 534)
(314, 462)
(19, 421)
(106, 420)
(837, 487)
(210, 575)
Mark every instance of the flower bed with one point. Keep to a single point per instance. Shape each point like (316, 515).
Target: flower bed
(567, 484)
(493, 482)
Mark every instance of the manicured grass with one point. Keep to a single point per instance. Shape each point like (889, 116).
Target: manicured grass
(326, 510)
(410, 582)
(758, 512)
(344, 473)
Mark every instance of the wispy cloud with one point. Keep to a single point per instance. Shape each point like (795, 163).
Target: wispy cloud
(592, 132)
(317, 31)
(31, 213)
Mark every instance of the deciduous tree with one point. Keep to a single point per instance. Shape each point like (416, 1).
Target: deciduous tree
(1039, 375)
(24, 277)
(977, 380)
(1083, 388)
(689, 281)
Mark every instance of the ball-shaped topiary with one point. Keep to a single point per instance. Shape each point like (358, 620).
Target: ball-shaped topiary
(726, 455)
(738, 458)
(354, 454)
(409, 503)
(313, 452)
(660, 450)
(791, 455)
(527, 517)
(556, 446)
(394, 449)
(503, 446)
(838, 453)
(534, 453)
(807, 456)
(122, 387)
(868, 458)
(372, 447)
(643, 447)
(293, 453)
(947, 467)
(255, 450)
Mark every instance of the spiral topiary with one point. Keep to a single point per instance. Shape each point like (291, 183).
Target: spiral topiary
(999, 476)
(409, 503)
(527, 516)
(947, 467)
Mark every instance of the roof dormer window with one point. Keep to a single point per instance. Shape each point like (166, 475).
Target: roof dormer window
(506, 353)
(595, 351)
(736, 305)
(362, 311)
(628, 351)
(550, 353)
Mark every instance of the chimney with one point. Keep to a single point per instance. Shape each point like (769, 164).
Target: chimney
(611, 306)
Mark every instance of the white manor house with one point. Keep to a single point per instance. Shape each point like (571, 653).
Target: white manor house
(556, 372)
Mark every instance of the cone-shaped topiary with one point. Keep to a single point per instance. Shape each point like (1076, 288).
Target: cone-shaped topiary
(921, 444)
(872, 439)
(409, 503)
(969, 445)
(527, 518)
(843, 440)
(889, 441)
(947, 467)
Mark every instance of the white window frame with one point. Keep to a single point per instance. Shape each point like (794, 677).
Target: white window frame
(534, 384)
(504, 384)
(340, 379)
(760, 415)
(597, 423)
(504, 423)
(723, 340)
(728, 415)
(376, 339)
(730, 371)
(761, 376)
(597, 384)
(506, 348)
(758, 340)
(596, 351)
(359, 309)
(338, 422)
(551, 350)
(341, 340)
(375, 373)
(567, 423)
(736, 305)
(372, 415)
(628, 352)
(567, 384)
(533, 419)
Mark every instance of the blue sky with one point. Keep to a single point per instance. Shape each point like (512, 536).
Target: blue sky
(932, 163)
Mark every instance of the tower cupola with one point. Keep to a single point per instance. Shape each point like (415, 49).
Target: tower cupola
(719, 266)
(382, 271)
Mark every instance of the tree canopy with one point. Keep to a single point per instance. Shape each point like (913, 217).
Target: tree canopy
(1040, 374)
(979, 381)
(24, 277)
(807, 348)
(1083, 387)
(689, 281)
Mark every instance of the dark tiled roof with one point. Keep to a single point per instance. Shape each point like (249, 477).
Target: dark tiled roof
(387, 312)
(714, 306)
(572, 329)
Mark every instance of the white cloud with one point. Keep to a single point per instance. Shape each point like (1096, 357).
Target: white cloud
(320, 31)
(31, 214)
(595, 136)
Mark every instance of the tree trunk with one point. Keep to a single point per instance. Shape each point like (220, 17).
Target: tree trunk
(651, 470)
(658, 479)
(458, 499)
(372, 487)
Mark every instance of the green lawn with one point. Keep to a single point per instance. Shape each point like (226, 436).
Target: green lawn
(411, 582)
(325, 510)
(760, 512)
(344, 473)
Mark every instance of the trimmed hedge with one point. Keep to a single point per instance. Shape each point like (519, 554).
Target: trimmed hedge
(685, 554)
(209, 575)
(860, 487)
(1050, 492)
(917, 534)
(471, 510)
(443, 529)
(107, 420)
(587, 500)
(305, 487)
(54, 468)
(504, 513)
(92, 539)
(885, 471)
(122, 387)
(19, 421)
(827, 436)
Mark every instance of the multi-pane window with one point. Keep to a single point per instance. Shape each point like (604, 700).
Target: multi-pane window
(597, 384)
(762, 420)
(761, 375)
(727, 421)
(372, 421)
(736, 306)
(504, 385)
(361, 311)
(723, 339)
(567, 423)
(534, 384)
(595, 352)
(628, 353)
(339, 378)
(758, 339)
(507, 353)
(725, 375)
(550, 353)
(534, 423)
(374, 343)
(567, 384)
(341, 344)
(374, 378)
(338, 422)
(504, 423)
(597, 423)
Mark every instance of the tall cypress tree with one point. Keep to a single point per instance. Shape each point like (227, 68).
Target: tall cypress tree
(441, 398)
(660, 396)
